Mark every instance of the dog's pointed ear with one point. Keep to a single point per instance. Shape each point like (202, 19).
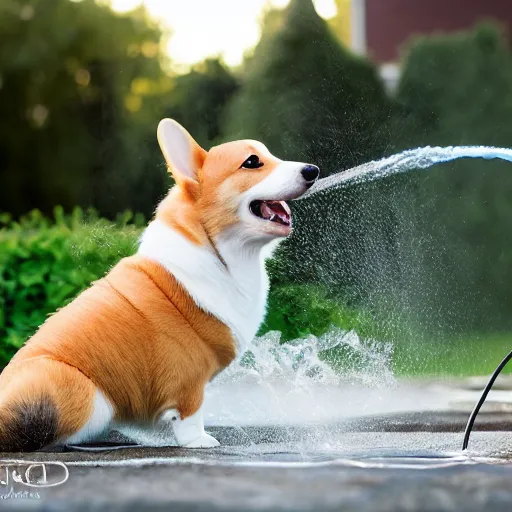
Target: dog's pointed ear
(183, 154)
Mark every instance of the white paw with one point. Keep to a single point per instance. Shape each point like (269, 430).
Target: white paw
(205, 441)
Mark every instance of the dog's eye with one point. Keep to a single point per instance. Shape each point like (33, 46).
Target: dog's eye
(253, 162)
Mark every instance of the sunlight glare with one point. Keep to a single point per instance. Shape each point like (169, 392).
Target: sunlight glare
(325, 8)
(206, 28)
(125, 5)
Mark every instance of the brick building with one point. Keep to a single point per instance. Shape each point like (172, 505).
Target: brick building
(379, 28)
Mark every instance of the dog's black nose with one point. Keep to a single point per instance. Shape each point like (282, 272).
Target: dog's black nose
(310, 173)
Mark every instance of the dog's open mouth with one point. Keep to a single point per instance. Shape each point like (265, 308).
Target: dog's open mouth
(274, 211)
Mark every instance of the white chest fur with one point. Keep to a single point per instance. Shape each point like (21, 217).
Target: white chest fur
(236, 295)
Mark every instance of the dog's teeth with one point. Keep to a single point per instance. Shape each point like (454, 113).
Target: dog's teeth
(273, 217)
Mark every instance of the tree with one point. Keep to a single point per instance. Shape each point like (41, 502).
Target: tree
(199, 98)
(456, 220)
(310, 99)
(77, 99)
(307, 97)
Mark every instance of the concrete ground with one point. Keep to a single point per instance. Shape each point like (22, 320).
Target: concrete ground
(391, 462)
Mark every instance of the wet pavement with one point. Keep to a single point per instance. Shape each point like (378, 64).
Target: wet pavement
(406, 461)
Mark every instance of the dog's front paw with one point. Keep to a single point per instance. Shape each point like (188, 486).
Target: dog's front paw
(205, 441)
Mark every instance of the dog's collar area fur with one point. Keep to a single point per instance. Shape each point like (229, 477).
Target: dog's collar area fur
(238, 297)
(216, 251)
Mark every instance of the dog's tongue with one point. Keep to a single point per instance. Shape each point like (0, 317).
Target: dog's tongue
(272, 209)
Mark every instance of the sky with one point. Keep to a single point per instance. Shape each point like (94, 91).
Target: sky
(204, 28)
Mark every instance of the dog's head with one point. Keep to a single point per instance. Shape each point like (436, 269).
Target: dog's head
(237, 187)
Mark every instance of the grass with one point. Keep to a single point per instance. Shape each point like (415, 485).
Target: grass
(456, 357)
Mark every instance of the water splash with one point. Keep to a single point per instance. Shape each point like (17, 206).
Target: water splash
(412, 159)
(293, 384)
(296, 383)
(301, 362)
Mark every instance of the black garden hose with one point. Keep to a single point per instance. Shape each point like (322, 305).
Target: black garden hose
(480, 402)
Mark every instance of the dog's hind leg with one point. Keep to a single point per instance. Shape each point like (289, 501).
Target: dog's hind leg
(187, 421)
(44, 403)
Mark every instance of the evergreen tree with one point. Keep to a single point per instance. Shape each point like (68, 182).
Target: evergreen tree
(78, 85)
(309, 99)
(456, 220)
(198, 100)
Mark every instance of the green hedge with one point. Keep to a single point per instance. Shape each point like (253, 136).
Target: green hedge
(299, 310)
(45, 263)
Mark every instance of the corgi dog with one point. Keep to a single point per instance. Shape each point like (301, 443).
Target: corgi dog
(140, 344)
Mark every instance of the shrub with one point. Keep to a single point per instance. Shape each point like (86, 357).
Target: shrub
(299, 310)
(45, 263)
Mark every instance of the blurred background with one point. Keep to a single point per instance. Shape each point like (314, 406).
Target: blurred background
(422, 261)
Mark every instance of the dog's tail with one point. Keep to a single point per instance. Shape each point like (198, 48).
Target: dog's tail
(43, 402)
(28, 426)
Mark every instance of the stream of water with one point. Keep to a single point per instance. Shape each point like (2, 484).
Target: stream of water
(412, 159)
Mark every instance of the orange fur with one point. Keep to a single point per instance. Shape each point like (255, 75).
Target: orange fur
(140, 338)
(32, 378)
